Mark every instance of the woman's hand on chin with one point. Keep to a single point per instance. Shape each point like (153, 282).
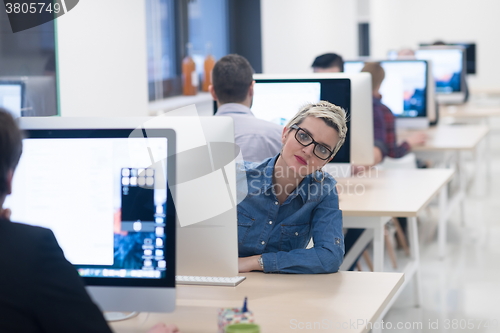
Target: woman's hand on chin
(249, 264)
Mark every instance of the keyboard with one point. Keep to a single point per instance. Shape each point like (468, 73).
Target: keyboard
(230, 281)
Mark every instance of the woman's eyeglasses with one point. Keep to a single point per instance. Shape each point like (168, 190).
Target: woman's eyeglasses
(305, 139)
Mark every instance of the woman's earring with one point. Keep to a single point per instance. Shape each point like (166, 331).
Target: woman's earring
(322, 174)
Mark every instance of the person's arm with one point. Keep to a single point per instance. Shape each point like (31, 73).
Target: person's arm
(328, 252)
(396, 151)
(379, 132)
(248, 264)
(60, 301)
(416, 139)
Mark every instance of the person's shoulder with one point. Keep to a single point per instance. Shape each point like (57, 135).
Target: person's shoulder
(328, 180)
(26, 240)
(248, 166)
(22, 227)
(384, 107)
(271, 125)
(28, 233)
(328, 183)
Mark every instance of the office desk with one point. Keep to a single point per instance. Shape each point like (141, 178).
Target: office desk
(469, 110)
(281, 302)
(449, 143)
(450, 137)
(371, 202)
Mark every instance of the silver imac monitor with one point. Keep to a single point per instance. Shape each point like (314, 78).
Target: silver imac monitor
(449, 68)
(12, 96)
(404, 90)
(204, 190)
(470, 54)
(108, 205)
(277, 98)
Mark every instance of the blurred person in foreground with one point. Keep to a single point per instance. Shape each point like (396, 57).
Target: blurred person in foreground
(41, 292)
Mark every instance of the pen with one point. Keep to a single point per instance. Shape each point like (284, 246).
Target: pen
(244, 309)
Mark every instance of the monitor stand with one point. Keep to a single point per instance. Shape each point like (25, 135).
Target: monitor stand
(119, 316)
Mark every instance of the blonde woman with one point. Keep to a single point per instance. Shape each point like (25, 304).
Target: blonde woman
(291, 200)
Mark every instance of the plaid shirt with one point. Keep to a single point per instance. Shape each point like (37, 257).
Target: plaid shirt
(385, 132)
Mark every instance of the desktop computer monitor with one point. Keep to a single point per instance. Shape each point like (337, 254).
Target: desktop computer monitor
(448, 67)
(207, 234)
(470, 54)
(39, 96)
(404, 90)
(108, 205)
(278, 98)
(12, 96)
(204, 190)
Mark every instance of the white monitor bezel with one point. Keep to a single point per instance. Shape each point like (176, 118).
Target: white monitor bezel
(117, 294)
(454, 97)
(192, 256)
(419, 121)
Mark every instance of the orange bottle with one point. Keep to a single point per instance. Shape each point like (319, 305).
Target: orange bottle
(189, 74)
(208, 66)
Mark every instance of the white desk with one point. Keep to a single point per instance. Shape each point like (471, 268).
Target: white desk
(452, 137)
(392, 193)
(449, 143)
(281, 302)
(469, 111)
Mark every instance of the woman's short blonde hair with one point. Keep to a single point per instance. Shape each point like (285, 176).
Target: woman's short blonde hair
(333, 115)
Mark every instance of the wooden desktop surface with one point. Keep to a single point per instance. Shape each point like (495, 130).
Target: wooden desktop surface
(281, 302)
(450, 137)
(394, 192)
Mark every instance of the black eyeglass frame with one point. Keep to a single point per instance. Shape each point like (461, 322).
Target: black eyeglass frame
(316, 144)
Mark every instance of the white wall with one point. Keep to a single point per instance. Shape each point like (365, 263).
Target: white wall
(294, 32)
(102, 59)
(405, 23)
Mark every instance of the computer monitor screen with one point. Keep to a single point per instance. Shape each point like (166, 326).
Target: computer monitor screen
(39, 97)
(350, 91)
(108, 205)
(470, 55)
(404, 88)
(205, 176)
(278, 100)
(11, 97)
(447, 67)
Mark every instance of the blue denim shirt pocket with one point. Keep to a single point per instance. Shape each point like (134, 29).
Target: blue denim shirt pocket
(245, 222)
(294, 236)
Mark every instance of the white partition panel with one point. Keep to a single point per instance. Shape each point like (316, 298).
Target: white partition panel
(101, 54)
(396, 24)
(294, 32)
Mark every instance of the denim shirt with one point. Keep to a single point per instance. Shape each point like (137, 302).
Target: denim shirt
(281, 233)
